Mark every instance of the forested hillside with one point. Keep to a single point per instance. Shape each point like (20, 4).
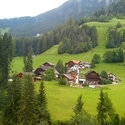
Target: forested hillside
(30, 26)
(71, 38)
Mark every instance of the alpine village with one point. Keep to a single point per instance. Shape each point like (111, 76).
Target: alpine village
(65, 66)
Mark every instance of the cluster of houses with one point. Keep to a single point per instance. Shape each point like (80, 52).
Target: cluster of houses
(73, 74)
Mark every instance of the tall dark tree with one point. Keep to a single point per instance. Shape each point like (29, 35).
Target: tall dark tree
(41, 109)
(6, 54)
(27, 114)
(60, 67)
(104, 74)
(105, 110)
(28, 61)
(120, 55)
(10, 116)
(113, 38)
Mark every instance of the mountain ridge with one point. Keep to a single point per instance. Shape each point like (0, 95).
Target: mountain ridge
(30, 26)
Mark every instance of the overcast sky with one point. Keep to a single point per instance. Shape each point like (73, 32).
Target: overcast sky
(19, 8)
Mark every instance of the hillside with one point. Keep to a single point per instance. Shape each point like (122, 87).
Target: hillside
(66, 97)
(30, 26)
(51, 55)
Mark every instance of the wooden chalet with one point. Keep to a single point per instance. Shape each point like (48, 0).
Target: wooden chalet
(74, 75)
(72, 63)
(41, 69)
(71, 76)
(48, 64)
(93, 78)
(68, 78)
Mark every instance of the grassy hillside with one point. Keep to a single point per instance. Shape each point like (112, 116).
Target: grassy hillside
(61, 99)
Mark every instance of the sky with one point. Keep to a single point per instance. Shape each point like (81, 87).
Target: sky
(19, 8)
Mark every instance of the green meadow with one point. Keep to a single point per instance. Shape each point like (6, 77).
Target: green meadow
(61, 99)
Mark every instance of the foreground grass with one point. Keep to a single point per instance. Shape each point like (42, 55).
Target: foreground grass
(61, 99)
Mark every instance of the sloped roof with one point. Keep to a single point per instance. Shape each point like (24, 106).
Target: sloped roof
(76, 61)
(68, 76)
(45, 67)
(51, 64)
(91, 71)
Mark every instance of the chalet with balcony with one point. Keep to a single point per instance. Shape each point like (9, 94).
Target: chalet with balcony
(93, 78)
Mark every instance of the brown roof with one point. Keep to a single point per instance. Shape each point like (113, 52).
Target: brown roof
(91, 71)
(51, 64)
(76, 61)
(68, 76)
(44, 68)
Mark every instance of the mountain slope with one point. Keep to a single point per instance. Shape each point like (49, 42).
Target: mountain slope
(30, 26)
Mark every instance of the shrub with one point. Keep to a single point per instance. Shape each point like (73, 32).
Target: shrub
(105, 81)
(62, 81)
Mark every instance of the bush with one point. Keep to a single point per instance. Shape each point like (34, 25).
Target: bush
(96, 59)
(105, 81)
(118, 25)
(62, 81)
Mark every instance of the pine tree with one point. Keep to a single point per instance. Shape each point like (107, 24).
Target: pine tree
(81, 117)
(27, 114)
(60, 67)
(42, 111)
(6, 53)
(12, 107)
(105, 110)
(28, 61)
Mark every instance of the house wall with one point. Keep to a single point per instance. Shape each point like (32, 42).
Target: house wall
(93, 78)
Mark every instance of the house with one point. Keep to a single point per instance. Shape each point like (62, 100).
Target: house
(48, 64)
(41, 69)
(72, 63)
(21, 74)
(72, 75)
(112, 77)
(68, 78)
(56, 73)
(92, 78)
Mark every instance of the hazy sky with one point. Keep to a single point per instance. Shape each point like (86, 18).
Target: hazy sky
(19, 8)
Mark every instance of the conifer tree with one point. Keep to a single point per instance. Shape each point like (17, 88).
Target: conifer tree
(60, 67)
(27, 114)
(12, 107)
(28, 61)
(42, 111)
(6, 53)
(105, 110)
(81, 117)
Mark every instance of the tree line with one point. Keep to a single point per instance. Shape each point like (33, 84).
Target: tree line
(71, 39)
(115, 36)
(77, 38)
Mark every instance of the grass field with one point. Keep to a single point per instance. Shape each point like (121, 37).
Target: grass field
(61, 99)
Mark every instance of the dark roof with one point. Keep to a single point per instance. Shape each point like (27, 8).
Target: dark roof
(91, 71)
(51, 64)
